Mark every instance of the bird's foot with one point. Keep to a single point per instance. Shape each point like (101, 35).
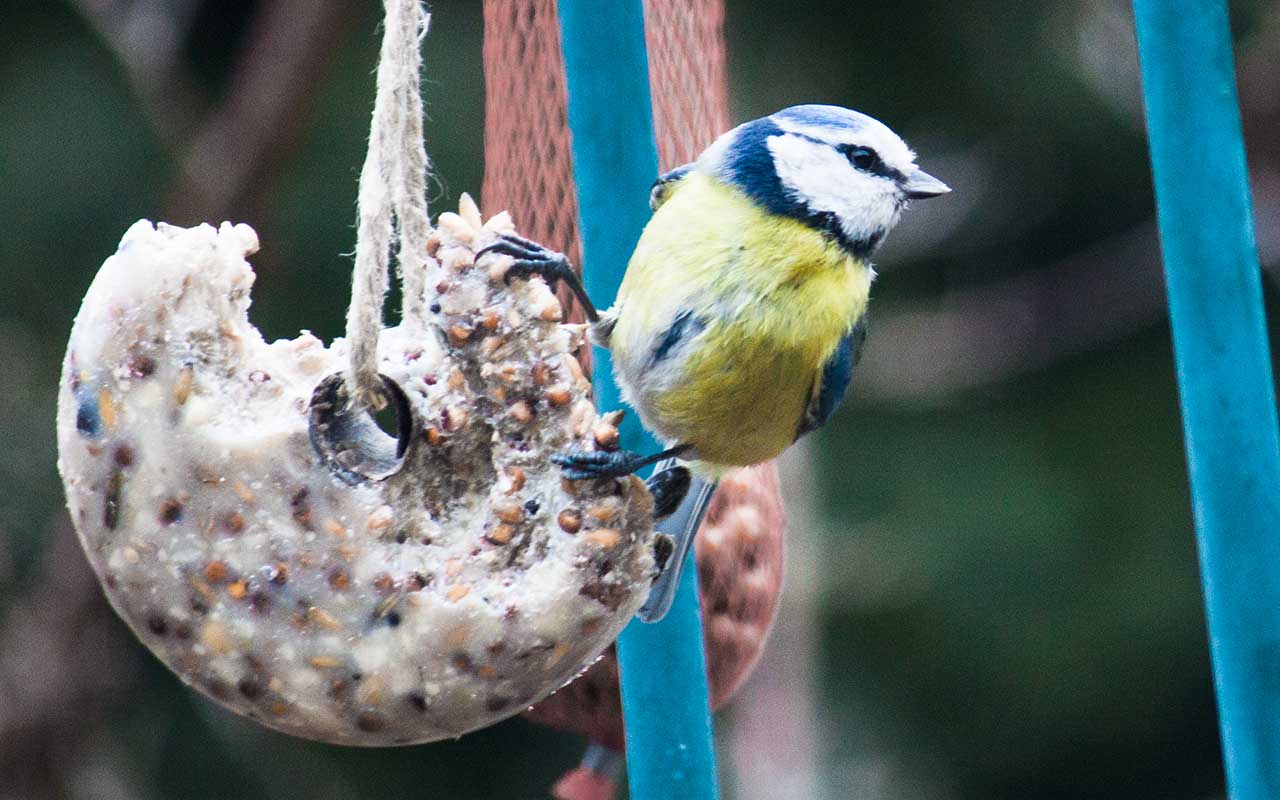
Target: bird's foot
(530, 258)
(582, 465)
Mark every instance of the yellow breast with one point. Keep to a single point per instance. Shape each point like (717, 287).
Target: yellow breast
(772, 297)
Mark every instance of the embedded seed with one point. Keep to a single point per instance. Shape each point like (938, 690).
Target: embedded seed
(604, 538)
(237, 590)
(491, 344)
(559, 395)
(575, 369)
(182, 385)
(107, 408)
(541, 373)
(507, 372)
(457, 419)
(550, 311)
(338, 579)
(602, 513)
(520, 412)
(469, 212)
(217, 638)
(433, 436)
(501, 534)
(508, 511)
(456, 227)
(215, 572)
(335, 528)
(323, 618)
(243, 492)
(570, 521)
(433, 243)
(459, 333)
(453, 567)
(517, 478)
(492, 318)
(606, 436)
(380, 519)
(456, 379)
(458, 592)
(498, 268)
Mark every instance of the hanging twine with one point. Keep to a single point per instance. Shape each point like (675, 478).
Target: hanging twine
(392, 184)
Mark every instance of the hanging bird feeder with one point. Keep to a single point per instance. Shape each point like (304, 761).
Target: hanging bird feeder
(278, 550)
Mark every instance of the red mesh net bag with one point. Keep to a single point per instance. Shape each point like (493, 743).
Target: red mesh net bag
(528, 169)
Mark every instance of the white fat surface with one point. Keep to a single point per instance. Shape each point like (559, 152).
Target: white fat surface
(227, 474)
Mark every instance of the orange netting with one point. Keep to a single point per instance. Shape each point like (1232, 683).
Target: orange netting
(528, 169)
(528, 161)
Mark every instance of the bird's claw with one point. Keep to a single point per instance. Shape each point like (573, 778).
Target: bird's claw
(529, 258)
(580, 465)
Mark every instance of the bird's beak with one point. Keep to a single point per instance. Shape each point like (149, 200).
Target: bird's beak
(921, 185)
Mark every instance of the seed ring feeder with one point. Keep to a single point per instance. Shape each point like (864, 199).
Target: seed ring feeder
(283, 555)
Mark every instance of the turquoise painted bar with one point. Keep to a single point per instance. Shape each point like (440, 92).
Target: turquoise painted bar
(670, 748)
(1223, 366)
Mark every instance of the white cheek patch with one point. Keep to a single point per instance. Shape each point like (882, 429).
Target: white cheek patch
(823, 179)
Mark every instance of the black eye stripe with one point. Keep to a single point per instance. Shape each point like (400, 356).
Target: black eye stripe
(878, 168)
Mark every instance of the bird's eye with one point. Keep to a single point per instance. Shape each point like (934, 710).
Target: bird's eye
(863, 158)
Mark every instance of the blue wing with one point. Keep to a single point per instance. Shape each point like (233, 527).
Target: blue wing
(836, 374)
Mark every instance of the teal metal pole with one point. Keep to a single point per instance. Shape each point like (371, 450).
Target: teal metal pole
(670, 750)
(1224, 369)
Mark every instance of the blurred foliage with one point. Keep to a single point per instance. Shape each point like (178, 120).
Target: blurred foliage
(1009, 604)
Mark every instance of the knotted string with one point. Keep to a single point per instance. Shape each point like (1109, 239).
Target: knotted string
(392, 184)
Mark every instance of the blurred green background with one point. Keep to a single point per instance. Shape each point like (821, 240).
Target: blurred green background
(995, 595)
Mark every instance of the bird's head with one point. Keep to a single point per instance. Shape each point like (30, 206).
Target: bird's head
(838, 170)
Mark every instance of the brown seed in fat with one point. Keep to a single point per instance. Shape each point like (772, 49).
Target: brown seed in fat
(234, 522)
(335, 528)
(457, 419)
(458, 592)
(237, 589)
(433, 436)
(558, 395)
(339, 579)
(602, 513)
(550, 311)
(459, 333)
(605, 538)
(182, 385)
(215, 571)
(508, 511)
(492, 318)
(456, 379)
(383, 582)
(324, 662)
(380, 519)
(517, 478)
(541, 373)
(520, 412)
(570, 521)
(501, 534)
(605, 436)
(243, 492)
(453, 567)
(491, 344)
(170, 512)
(216, 638)
(323, 618)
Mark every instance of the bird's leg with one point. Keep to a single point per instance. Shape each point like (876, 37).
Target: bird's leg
(680, 527)
(532, 258)
(668, 484)
(582, 465)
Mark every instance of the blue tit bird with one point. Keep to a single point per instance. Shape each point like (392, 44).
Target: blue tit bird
(743, 309)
